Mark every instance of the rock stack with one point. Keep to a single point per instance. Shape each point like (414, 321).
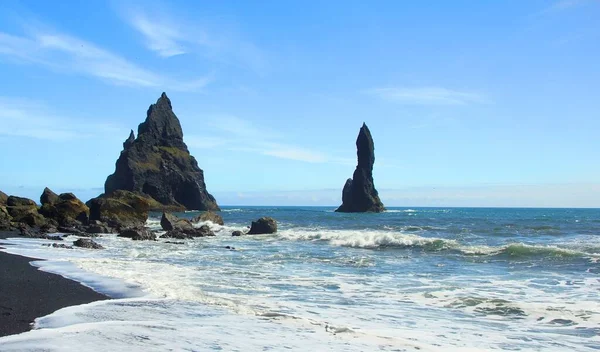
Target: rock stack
(158, 164)
(359, 194)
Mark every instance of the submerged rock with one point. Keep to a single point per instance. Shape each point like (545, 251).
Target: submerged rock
(264, 225)
(177, 234)
(58, 245)
(202, 231)
(158, 163)
(209, 216)
(237, 233)
(359, 194)
(87, 243)
(138, 234)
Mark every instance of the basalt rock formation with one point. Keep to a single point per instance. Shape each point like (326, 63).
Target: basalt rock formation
(121, 209)
(66, 209)
(359, 194)
(158, 164)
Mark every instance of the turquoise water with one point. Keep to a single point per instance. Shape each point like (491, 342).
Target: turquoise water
(406, 279)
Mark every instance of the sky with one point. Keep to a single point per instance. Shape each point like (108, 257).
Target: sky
(470, 103)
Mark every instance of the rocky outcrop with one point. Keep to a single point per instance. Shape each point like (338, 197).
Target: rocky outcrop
(359, 194)
(138, 234)
(264, 225)
(158, 164)
(48, 197)
(170, 222)
(237, 233)
(66, 209)
(3, 198)
(5, 218)
(121, 209)
(209, 216)
(87, 243)
(24, 210)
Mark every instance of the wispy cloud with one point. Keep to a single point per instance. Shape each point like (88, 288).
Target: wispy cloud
(168, 33)
(562, 5)
(426, 96)
(29, 118)
(65, 53)
(241, 135)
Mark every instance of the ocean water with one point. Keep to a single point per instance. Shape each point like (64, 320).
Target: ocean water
(419, 279)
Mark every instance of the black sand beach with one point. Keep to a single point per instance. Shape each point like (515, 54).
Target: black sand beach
(27, 293)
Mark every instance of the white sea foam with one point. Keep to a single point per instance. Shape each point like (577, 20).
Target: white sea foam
(270, 295)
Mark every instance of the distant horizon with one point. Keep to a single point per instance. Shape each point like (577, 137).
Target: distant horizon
(470, 104)
(476, 196)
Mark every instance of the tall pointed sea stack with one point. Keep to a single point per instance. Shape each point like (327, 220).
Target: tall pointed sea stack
(359, 194)
(158, 163)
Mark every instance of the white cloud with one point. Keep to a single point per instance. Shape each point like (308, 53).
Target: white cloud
(169, 33)
(69, 54)
(163, 38)
(426, 95)
(29, 118)
(236, 134)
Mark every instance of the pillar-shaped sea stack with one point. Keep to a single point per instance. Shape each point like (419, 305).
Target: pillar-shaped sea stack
(359, 194)
(158, 163)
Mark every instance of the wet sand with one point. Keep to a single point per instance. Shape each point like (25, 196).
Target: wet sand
(27, 293)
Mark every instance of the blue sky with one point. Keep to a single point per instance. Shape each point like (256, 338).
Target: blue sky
(470, 103)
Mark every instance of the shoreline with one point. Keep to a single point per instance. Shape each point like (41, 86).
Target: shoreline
(27, 293)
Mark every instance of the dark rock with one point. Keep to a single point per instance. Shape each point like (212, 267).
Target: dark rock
(48, 228)
(27, 214)
(171, 222)
(138, 234)
(14, 201)
(359, 194)
(66, 209)
(3, 198)
(87, 243)
(26, 231)
(129, 141)
(177, 234)
(120, 209)
(202, 231)
(98, 228)
(209, 216)
(171, 242)
(158, 163)
(264, 225)
(71, 230)
(58, 245)
(5, 218)
(237, 233)
(48, 197)
(24, 210)
(230, 248)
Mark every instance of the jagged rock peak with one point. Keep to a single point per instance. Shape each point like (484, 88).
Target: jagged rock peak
(161, 123)
(365, 149)
(129, 141)
(158, 164)
(359, 194)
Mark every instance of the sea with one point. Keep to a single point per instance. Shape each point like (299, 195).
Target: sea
(408, 279)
